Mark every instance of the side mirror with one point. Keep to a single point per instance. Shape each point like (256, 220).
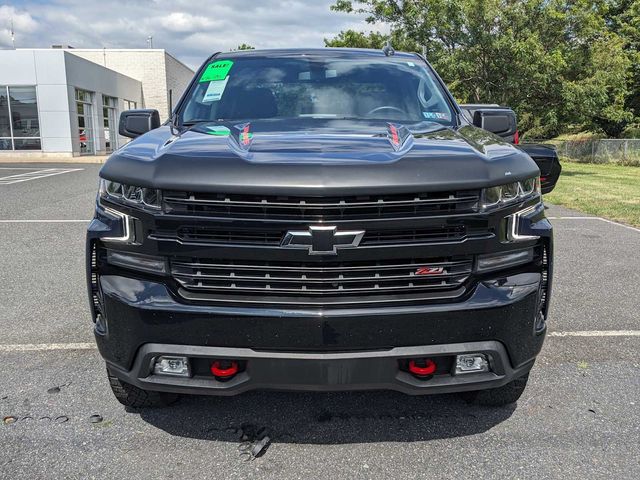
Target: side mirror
(501, 121)
(134, 123)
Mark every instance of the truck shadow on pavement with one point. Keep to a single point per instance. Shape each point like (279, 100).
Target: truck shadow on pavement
(325, 418)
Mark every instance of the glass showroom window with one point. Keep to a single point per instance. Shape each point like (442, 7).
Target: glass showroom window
(19, 124)
(84, 107)
(109, 121)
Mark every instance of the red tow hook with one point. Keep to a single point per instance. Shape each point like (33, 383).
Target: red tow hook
(224, 369)
(422, 368)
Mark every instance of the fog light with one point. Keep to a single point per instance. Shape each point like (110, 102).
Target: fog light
(166, 365)
(474, 363)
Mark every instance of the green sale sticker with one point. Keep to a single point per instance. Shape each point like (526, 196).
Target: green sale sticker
(216, 71)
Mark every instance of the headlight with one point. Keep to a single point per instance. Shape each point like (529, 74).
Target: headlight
(509, 193)
(130, 195)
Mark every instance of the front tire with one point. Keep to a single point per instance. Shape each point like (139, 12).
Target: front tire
(132, 396)
(498, 397)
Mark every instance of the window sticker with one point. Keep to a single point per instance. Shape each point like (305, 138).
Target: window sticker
(216, 71)
(411, 64)
(218, 130)
(215, 90)
(438, 115)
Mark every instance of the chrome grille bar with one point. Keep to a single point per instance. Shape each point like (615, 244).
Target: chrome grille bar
(266, 279)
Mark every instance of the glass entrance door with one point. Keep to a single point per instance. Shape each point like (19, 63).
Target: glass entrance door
(84, 106)
(109, 121)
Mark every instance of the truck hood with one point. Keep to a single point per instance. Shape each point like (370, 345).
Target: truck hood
(329, 159)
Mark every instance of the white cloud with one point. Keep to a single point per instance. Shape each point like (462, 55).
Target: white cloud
(188, 30)
(21, 19)
(185, 22)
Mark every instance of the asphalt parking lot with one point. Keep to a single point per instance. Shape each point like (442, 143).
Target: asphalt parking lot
(580, 416)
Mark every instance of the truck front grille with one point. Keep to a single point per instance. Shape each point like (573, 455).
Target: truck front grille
(228, 247)
(319, 208)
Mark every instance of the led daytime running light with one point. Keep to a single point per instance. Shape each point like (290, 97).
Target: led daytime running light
(509, 193)
(130, 194)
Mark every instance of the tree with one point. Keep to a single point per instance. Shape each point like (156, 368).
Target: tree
(375, 40)
(244, 46)
(623, 18)
(557, 63)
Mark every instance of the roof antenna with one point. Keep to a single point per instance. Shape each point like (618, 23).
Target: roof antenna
(388, 49)
(13, 35)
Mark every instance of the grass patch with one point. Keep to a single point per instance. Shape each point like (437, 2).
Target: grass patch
(578, 137)
(605, 190)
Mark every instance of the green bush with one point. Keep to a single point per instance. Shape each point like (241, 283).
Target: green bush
(632, 131)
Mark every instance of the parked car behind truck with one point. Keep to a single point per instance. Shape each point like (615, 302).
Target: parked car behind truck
(545, 156)
(322, 219)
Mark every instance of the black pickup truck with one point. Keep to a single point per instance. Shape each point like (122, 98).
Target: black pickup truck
(324, 219)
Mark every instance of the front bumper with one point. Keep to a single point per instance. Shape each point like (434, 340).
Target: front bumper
(371, 370)
(338, 349)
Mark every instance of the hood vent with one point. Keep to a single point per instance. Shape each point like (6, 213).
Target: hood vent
(399, 137)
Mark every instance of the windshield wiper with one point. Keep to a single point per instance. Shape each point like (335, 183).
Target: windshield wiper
(190, 123)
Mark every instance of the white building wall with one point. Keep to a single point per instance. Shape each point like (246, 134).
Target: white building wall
(45, 70)
(158, 72)
(55, 115)
(18, 68)
(56, 74)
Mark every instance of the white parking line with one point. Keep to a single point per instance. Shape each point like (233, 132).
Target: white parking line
(597, 218)
(39, 347)
(42, 173)
(46, 347)
(550, 218)
(20, 168)
(45, 221)
(597, 333)
(574, 218)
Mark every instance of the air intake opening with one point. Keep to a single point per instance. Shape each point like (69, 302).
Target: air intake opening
(96, 297)
(543, 294)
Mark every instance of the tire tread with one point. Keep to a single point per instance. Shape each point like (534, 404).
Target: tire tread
(498, 397)
(132, 396)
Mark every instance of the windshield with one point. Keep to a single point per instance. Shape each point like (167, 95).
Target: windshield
(399, 89)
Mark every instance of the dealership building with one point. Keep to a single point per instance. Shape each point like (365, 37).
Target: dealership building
(65, 102)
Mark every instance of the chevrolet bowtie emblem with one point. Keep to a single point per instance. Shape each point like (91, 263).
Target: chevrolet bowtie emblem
(322, 240)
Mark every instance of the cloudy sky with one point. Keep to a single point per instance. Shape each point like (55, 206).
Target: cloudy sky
(189, 30)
